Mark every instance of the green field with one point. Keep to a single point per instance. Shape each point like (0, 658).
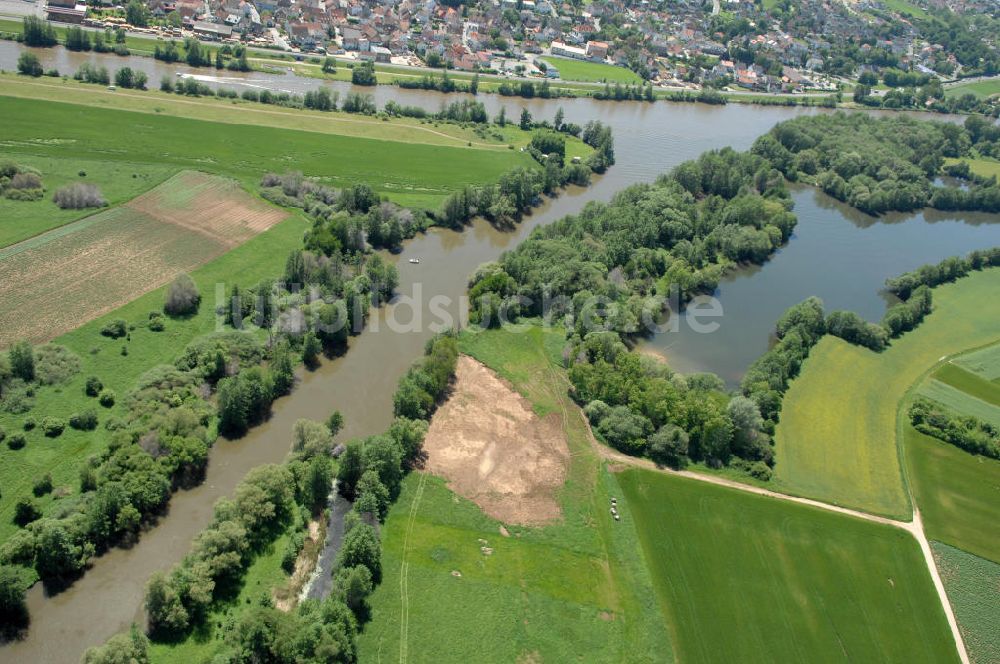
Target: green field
(118, 182)
(409, 173)
(576, 590)
(958, 493)
(837, 437)
(787, 583)
(969, 382)
(981, 89)
(971, 584)
(585, 71)
(904, 7)
(959, 401)
(985, 362)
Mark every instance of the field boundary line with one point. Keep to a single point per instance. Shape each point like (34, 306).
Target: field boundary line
(404, 567)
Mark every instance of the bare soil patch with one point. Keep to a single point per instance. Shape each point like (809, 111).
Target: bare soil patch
(57, 281)
(494, 450)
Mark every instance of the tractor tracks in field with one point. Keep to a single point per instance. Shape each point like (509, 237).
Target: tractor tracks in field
(404, 568)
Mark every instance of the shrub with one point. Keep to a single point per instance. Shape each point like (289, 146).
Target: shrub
(29, 65)
(3, 434)
(106, 398)
(25, 512)
(17, 440)
(182, 297)
(115, 329)
(93, 386)
(55, 364)
(84, 421)
(53, 427)
(29, 423)
(156, 323)
(22, 361)
(78, 196)
(42, 486)
(25, 181)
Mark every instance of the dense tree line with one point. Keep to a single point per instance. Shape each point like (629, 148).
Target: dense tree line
(963, 431)
(877, 164)
(608, 270)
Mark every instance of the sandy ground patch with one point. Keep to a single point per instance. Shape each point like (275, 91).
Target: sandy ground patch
(494, 450)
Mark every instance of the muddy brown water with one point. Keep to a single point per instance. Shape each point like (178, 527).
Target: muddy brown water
(835, 253)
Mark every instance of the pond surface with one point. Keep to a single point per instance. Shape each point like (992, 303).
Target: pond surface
(836, 253)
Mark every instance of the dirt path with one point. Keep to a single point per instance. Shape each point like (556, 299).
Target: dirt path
(145, 97)
(404, 598)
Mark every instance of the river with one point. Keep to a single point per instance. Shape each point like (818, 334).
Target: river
(836, 253)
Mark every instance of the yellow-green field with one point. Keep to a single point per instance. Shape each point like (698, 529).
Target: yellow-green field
(837, 439)
(983, 167)
(981, 89)
(971, 584)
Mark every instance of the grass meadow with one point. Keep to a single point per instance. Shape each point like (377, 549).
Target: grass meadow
(837, 439)
(981, 89)
(746, 578)
(958, 494)
(971, 584)
(984, 363)
(118, 182)
(411, 174)
(574, 590)
(591, 72)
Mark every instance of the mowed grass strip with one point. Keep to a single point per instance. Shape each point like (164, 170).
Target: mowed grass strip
(959, 401)
(984, 362)
(118, 182)
(972, 585)
(778, 582)
(52, 284)
(409, 173)
(958, 493)
(970, 383)
(981, 89)
(836, 441)
(576, 590)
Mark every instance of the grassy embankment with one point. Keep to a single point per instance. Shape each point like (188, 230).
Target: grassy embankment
(410, 173)
(592, 72)
(412, 164)
(574, 589)
(791, 582)
(837, 440)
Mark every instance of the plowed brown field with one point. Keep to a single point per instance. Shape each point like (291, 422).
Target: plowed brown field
(57, 281)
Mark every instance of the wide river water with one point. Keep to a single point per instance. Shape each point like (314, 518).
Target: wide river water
(836, 253)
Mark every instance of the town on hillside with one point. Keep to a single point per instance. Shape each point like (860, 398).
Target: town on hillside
(762, 46)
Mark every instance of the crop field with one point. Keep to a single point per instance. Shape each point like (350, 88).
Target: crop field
(969, 382)
(117, 181)
(959, 401)
(958, 493)
(786, 582)
(580, 70)
(411, 174)
(56, 281)
(972, 585)
(459, 586)
(985, 362)
(261, 257)
(837, 439)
